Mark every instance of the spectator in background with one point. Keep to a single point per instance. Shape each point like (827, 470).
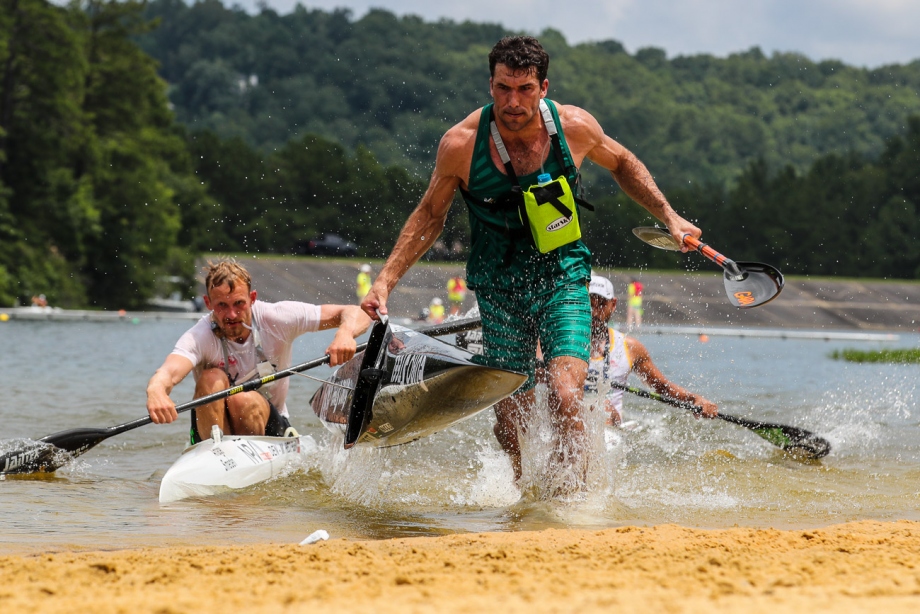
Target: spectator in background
(634, 304)
(364, 281)
(436, 311)
(456, 292)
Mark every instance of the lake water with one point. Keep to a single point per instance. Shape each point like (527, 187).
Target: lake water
(701, 473)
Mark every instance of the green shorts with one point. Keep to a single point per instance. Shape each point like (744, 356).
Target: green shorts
(513, 322)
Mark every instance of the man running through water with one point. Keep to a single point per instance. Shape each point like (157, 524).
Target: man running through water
(614, 356)
(525, 293)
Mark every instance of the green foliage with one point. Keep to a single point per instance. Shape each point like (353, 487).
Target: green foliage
(908, 355)
(315, 122)
(847, 215)
(92, 165)
(308, 187)
(395, 84)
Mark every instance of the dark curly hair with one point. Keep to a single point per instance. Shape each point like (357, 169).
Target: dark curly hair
(520, 53)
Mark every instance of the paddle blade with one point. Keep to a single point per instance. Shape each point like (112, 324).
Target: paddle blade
(52, 452)
(370, 377)
(657, 237)
(759, 285)
(796, 441)
(77, 441)
(30, 457)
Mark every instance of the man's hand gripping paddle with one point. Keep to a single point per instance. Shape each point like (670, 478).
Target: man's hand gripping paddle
(747, 284)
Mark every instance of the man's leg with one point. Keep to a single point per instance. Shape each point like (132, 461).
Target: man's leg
(566, 392)
(509, 341)
(248, 413)
(565, 333)
(242, 414)
(510, 414)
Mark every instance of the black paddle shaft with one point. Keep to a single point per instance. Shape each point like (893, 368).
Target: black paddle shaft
(48, 453)
(790, 438)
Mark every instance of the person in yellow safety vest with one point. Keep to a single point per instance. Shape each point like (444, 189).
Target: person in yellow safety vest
(364, 281)
(436, 311)
(456, 292)
(634, 304)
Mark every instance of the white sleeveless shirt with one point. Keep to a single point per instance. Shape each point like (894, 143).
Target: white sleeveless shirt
(614, 365)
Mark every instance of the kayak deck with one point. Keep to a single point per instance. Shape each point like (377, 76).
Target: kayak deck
(231, 462)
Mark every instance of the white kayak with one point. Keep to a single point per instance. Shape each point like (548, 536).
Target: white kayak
(229, 462)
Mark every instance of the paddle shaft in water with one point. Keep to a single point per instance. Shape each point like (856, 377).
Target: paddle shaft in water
(792, 439)
(46, 453)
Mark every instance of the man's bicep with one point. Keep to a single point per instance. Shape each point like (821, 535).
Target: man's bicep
(177, 367)
(440, 195)
(450, 170)
(607, 153)
(587, 139)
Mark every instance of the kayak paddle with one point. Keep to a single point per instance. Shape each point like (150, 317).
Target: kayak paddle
(789, 438)
(747, 284)
(55, 450)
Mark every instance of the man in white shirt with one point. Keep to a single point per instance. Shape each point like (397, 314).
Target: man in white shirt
(614, 356)
(239, 340)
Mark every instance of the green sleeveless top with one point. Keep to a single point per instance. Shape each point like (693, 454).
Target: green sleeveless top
(502, 255)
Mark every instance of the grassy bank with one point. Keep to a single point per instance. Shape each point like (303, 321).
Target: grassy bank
(900, 355)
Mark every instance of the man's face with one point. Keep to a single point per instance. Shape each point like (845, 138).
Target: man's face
(232, 309)
(602, 309)
(517, 96)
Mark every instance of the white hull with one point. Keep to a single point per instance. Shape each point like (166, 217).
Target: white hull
(210, 468)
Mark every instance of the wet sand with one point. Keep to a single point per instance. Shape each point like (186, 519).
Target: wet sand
(855, 567)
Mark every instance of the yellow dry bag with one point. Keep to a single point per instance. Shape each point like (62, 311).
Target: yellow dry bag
(550, 212)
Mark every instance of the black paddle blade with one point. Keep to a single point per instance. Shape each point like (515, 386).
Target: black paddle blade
(30, 457)
(369, 379)
(794, 440)
(51, 452)
(759, 285)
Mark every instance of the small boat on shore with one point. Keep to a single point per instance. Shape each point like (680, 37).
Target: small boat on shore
(229, 462)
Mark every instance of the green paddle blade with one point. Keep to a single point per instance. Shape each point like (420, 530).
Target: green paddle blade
(789, 438)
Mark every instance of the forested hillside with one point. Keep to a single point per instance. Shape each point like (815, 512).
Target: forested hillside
(396, 84)
(133, 136)
(93, 172)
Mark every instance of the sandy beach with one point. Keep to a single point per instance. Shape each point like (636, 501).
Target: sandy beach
(855, 567)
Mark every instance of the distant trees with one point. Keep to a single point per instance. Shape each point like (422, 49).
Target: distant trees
(294, 125)
(846, 215)
(271, 203)
(395, 84)
(93, 169)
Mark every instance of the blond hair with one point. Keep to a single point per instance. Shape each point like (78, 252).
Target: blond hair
(226, 272)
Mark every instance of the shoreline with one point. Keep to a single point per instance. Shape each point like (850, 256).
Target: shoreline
(852, 567)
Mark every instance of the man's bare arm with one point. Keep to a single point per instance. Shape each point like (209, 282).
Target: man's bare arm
(173, 370)
(351, 322)
(651, 375)
(425, 224)
(587, 140)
